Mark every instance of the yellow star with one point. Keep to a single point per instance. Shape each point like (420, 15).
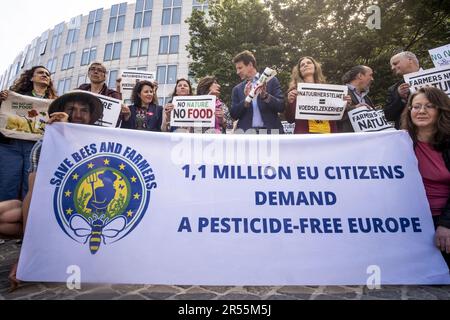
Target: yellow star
(137, 196)
(69, 211)
(106, 162)
(122, 167)
(75, 176)
(133, 179)
(130, 213)
(68, 193)
(90, 165)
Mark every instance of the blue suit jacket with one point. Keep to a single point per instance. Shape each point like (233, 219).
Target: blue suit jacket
(269, 110)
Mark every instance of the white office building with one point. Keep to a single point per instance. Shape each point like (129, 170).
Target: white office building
(147, 35)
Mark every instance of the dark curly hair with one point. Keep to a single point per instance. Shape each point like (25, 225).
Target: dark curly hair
(174, 93)
(24, 84)
(204, 84)
(137, 90)
(441, 101)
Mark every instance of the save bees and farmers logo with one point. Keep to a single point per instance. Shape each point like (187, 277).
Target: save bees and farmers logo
(101, 199)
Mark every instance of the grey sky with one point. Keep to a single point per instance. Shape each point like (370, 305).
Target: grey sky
(23, 20)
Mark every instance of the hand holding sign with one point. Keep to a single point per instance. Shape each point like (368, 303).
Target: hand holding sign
(403, 91)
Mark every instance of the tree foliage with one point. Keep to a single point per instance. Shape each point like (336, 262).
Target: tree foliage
(334, 32)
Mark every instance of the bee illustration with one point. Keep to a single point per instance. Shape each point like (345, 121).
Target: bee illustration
(96, 229)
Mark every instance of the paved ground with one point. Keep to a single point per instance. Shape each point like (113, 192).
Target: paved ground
(10, 249)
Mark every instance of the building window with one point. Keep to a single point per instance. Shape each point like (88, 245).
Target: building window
(200, 5)
(89, 55)
(166, 74)
(112, 51)
(117, 17)
(94, 23)
(112, 76)
(72, 36)
(169, 45)
(51, 65)
(43, 43)
(139, 47)
(143, 14)
(64, 85)
(171, 13)
(81, 80)
(56, 38)
(32, 51)
(68, 61)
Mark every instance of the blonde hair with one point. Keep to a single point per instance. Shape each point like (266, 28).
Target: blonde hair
(296, 76)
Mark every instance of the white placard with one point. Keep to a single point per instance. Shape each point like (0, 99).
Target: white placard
(111, 110)
(194, 111)
(23, 117)
(193, 209)
(320, 101)
(436, 77)
(129, 80)
(364, 119)
(440, 56)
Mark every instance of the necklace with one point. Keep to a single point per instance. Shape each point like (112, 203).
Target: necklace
(37, 95)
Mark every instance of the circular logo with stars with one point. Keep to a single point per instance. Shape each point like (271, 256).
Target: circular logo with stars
(101, 200)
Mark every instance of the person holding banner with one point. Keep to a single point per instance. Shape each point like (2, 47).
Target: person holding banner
(145, 113)
(427, 120)
(358, 80)
(35, 82)
(74, 107)
(183, 87)
(209, 86)
(261, 114)
(307, 70)
(402, 63)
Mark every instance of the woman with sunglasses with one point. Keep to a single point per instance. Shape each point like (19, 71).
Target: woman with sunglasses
(15, 153)
(427, 120)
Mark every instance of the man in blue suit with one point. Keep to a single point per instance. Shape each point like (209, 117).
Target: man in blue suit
(261, 114)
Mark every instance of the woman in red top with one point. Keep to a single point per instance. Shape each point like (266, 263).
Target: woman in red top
(427, 119)
(307, 70)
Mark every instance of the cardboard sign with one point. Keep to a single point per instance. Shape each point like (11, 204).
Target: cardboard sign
(129, 80)
(320, 101)
(23, 117)
(194, 111)
(367, 120)
(440, 56)
(436, 77)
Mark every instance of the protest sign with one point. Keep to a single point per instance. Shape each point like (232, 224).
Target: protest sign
(368, 120)
(223, 210)
(197, 112)
(130, 78)
(436, 77)
(440, 56)
(320, 101)
(23, 117)
(288, 127)
(111, 110)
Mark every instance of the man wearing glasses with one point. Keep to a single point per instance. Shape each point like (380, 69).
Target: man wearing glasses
(97, 75)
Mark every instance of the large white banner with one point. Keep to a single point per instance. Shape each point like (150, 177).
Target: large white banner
(320, 101)
(436, 77)
(192, 209)
(440, 56)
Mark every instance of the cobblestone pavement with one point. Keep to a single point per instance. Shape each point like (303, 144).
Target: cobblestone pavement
(9, 252)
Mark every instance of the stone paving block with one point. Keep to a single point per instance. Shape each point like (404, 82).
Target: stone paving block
(297, 289)
(157, 295)
(196, 296)
(122, 288)
(106, 294)
(281, 297)
(217, 289)
(164, 289)
(260, 290)
(131, 297)
(237, 296)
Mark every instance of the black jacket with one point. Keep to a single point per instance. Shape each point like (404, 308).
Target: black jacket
(394, 105)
